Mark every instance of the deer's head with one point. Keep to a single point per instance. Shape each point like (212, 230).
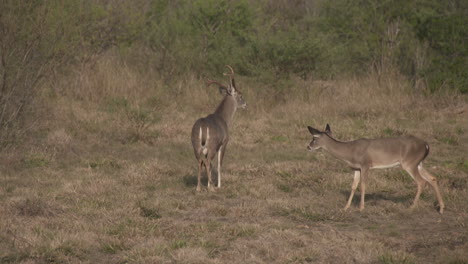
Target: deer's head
(319, 138)
(231, 89)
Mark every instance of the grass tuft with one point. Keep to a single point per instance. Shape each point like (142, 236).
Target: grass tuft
(35, 160)
(32, 207)
(151, 213)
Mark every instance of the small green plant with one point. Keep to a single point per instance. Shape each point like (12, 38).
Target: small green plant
(284, 174)
(306, 213)
(220, 211)
(242, 231)
(399, 175)
(141, 119)
(458, 183)
(35, 160)
(116, 104)
(211, 246)
(121, 228)
(279, 138)
(112, 248)
(450, 140)
(285, 188)
(394, 234)
(392, 259)
(463, 164)
(372, 227)
(176, 244)
(314, 217)
(150, 188)
(10, 189)
(392, 132)
(458, 261)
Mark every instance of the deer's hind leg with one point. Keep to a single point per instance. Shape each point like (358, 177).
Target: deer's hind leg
(433, 182)
(208, 172)
(200, 168)
(413, 171)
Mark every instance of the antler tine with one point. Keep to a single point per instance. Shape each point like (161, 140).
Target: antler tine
(231, 76)
(232, 71)
(210, 82)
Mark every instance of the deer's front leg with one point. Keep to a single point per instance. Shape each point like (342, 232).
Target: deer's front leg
(219, 166)
(363, 187)
(357, 176)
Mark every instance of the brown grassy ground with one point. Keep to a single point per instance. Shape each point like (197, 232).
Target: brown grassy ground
(110, 177)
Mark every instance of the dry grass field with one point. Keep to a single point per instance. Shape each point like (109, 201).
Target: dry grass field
(109, 176)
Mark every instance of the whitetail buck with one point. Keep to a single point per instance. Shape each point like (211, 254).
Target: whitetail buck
(210, 135)
(364, 154)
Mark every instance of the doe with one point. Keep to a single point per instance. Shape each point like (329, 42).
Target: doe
(364, 154)
(210, 135)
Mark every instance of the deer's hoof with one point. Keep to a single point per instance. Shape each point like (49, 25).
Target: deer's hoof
(441, 210)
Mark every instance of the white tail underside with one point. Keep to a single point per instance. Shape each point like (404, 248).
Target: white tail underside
(204, 148)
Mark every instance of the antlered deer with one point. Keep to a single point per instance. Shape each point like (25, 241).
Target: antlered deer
(210, 135)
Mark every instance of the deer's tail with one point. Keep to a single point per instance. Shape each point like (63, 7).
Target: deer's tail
(204, 143)
(427, 152)
(425, 155)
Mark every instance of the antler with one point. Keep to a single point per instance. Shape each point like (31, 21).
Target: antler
(210, 82)
(231, 76)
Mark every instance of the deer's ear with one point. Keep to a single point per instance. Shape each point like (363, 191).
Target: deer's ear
(313, 131)
(328, 130)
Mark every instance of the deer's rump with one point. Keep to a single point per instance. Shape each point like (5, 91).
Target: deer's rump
(208, 135)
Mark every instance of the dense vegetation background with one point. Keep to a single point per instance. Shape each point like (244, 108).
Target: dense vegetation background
(272, 41)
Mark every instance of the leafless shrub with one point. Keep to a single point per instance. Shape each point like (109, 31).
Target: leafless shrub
(38, 39)
(30, 49)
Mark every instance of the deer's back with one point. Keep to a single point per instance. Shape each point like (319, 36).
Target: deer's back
(395, 148)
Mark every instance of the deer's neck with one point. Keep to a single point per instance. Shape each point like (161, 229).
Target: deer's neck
(226, 109)
(340, 150)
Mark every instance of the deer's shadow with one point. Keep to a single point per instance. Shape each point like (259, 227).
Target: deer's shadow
(192, 180)
(377, 196)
